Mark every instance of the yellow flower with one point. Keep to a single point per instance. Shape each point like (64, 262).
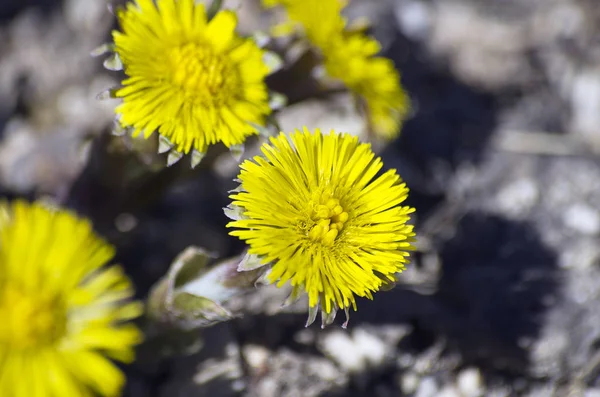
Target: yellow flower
(320, 20)
(374, 80)
(194, 81)
(62, 314)
(314, 209)
(350, 57)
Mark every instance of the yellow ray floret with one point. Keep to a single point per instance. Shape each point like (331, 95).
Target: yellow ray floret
(194, 81)
(314, 207)
(63, 313)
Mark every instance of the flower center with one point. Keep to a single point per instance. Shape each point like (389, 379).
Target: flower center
(203, 75)
(29, 320)
(329, 217)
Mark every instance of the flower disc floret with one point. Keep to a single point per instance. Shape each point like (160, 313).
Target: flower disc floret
(314, 209)
(195, 81)
(63, 313)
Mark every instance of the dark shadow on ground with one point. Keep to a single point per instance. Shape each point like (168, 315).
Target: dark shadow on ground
(11, 8)
(451, 125)
(497, 276)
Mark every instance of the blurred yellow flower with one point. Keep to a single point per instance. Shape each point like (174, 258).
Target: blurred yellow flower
(194, 81)
(62, 313)
(320, 20)
(373, 79)
(350, 57)
(313, 207)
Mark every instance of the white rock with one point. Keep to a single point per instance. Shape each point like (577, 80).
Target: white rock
(585, 99)
(256, 356)
(470, 382)
(409, 382)
(594, 392)
(372, 348)
(343, 350)
(449, 391)
(414, 19)
(427, 388)
(518, 197)
(582, 218)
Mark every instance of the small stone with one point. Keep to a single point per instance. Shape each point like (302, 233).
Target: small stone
(470, 382)
(256, 356)
(449, 391)
(518, 197)
(582, 218)
(409, 383)
(427, 388)
(343, 350)
(373, 349)
(594, 392)
(414, 19)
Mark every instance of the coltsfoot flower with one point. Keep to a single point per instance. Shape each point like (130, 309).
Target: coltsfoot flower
(62, 313)
(313, 208)
(321, 31)
(372, 79)
(195, 81)
(350, 57)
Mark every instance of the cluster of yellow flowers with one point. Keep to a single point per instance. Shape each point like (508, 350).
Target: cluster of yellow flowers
(350, 57)
(313, 208)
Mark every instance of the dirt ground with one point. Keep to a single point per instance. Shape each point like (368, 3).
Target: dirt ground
(501, 155)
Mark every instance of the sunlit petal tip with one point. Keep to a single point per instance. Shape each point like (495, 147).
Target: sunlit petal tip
(264, 131)
(277, 100)
(261, 38)
(164, 144)
(328, 318)
(174, 157)
(237, 151)
(234, 212)
(250, 262)
(102, 49)
(272, 61)
(109, 93)
(312, 315)
(238, 189)
(347, 312)
(388, 285)
(113, 63)
(197, 157)
(118, 129)
(293, 297)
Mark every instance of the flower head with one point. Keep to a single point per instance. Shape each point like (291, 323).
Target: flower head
(321, 31)
(62, 312)
(373, 79)
(314, 208)
(351, 57)
(194, 81)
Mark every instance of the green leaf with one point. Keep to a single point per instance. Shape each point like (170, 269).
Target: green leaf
(198, 311)
(188, 266)
(249, 262)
